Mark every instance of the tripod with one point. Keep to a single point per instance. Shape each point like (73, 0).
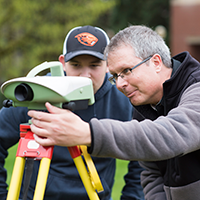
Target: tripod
(28, 148)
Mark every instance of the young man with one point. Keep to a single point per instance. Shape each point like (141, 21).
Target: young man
(165, 93)
(82, 56)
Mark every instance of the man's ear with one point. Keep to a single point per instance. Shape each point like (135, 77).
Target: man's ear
(62, 60)
(157, 61)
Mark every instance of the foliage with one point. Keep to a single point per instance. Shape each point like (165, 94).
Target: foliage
(32, 32)
(150, 13)
(128, 12)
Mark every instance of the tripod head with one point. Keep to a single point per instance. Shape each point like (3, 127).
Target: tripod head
(70, 92)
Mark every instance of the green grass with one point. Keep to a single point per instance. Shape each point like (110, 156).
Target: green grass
(121, 170)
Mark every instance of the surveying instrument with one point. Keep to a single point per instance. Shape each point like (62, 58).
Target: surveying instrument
(67, 92)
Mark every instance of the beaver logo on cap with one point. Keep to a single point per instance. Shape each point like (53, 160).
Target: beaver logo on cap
(87, 39)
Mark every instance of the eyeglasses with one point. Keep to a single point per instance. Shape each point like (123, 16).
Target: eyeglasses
(126, 72)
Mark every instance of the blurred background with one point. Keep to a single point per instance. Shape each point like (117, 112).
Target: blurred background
(32, 32)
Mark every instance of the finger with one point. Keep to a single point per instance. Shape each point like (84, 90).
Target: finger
(42, 141)
(53, 109)
(43, 116)
(39, 131)
(39, 123)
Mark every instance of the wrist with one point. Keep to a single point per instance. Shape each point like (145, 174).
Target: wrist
(87, 140)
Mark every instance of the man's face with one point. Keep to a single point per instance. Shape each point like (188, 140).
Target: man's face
(87, 66)
(144, 85)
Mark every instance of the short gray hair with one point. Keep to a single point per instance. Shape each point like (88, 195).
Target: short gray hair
(144, 41)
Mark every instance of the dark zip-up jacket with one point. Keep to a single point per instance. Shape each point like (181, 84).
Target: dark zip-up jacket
(166, 140)
(63, 180)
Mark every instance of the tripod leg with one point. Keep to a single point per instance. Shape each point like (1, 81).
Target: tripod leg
(42, 179)
(85, 178)
(16, 180)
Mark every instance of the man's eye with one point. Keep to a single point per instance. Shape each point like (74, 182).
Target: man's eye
(94, 65)
(75, 65)
(126, 71)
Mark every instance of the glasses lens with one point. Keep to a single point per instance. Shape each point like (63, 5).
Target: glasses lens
(112, 80)
(126, 73)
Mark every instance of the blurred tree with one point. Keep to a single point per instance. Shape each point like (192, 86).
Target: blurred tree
(32, 32)
(128, 12)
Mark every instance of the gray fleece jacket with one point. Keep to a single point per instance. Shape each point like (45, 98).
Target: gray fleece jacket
(166, 141)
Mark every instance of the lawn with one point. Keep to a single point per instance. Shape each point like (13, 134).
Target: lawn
(119, 181)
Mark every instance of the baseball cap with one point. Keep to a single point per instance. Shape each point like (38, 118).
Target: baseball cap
(87, 40)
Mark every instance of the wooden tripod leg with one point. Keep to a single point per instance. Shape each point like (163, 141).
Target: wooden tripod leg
(42, 179)
(85, 178)
(16, 179)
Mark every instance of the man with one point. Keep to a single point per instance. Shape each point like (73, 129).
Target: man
(165, 93)
(82, 56)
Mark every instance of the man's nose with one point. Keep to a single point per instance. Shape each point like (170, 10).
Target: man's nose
(121, 83)
(85, 72)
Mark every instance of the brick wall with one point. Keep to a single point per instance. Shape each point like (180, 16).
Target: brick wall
(185, 27)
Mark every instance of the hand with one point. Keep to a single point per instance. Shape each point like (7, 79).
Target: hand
(59, 127)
